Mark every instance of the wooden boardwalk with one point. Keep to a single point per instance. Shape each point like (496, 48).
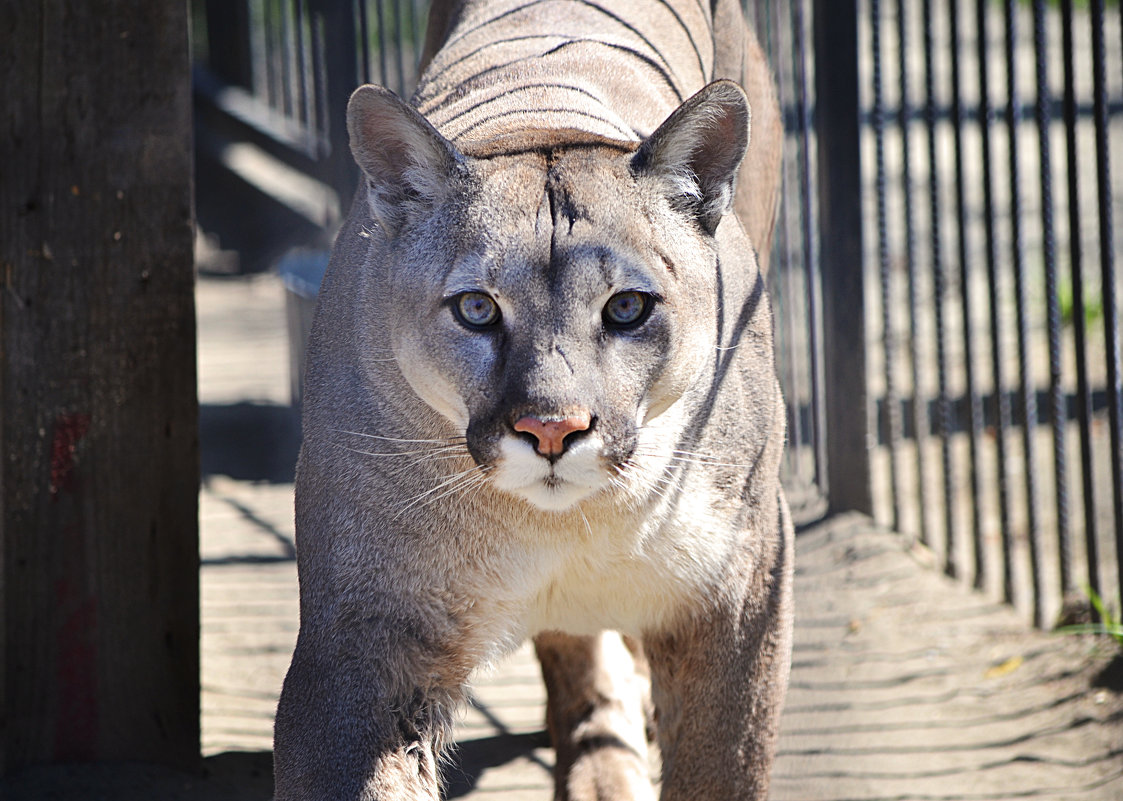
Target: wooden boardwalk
(904, 686)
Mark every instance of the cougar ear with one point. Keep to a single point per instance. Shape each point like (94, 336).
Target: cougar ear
(407, 163)
(698, 149)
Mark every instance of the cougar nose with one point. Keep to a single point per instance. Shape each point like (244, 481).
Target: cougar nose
(551, 432)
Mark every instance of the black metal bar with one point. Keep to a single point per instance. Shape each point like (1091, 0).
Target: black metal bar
(399, 45)
(939, 282)
(1021, 300)
(289, 103)
(380, 20)
(1107, 274)
(364, 40)
(1083, 394)
(277, 55)
(228, 41)
(317, 43)
(975, 405)
(341, 64)
(840, 252)
(307, 101)
(1002, 411)
(1117, 455)
(265, 65)
(920, 421)
(888, 338)
(811, 264)
(417, 35)
(1057, 415)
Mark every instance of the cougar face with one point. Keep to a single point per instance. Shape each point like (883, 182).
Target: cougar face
(560, 333)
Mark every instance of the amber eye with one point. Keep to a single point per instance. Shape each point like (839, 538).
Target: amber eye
(627, 309)
(476, 310)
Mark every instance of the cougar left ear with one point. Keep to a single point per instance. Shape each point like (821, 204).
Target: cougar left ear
(407, 162)
(698, 150)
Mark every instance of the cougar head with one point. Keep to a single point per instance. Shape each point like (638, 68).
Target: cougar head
(555, 305)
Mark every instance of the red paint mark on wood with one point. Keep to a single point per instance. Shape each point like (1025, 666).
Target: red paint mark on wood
(69, 430)
(76, 722)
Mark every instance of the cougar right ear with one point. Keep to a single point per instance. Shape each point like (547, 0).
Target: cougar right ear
(407, 163)
(698, 149)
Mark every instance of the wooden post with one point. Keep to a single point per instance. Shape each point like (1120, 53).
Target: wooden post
(837, 124)
(99, 617)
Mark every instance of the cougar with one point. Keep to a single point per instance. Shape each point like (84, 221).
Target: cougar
(541, 402)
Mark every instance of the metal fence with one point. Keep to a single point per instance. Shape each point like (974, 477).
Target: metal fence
(946, 307)
(785, 32)
(272, 79)
(994, 347)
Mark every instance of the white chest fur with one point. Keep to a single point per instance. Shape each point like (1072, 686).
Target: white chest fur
(627, 574)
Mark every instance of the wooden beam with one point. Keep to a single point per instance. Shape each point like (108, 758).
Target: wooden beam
(98, 410)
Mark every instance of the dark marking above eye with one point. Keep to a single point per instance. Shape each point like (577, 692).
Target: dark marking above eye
(561, 203)
(666, 260)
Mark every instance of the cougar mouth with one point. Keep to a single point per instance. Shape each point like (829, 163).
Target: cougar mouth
(551, 483)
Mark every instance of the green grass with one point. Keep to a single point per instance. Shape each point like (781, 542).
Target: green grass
(1093, 305)
(1110, 625)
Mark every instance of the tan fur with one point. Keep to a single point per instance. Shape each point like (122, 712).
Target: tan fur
(551, 245)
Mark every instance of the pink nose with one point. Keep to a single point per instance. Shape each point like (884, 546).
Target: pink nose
(551, 433)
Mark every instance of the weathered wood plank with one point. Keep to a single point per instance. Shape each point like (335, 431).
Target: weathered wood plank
(99, 480)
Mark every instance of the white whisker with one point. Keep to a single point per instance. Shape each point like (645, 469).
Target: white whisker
(710, 463)
(471, 481)
(418, 498)
(618, 482)
(701, 458)
(588, 528)
(690, 457)
(440, 453)
(638, 483)
(447, 441)
(627, 494)
(660, 483)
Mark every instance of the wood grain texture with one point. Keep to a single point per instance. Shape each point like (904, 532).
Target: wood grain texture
(99, 480)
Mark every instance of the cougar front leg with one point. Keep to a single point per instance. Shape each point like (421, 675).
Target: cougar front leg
(718, 682)
(595, 711)
(354, 724)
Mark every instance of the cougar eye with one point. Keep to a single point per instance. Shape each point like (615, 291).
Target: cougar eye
(627, 309)
(476, 310)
